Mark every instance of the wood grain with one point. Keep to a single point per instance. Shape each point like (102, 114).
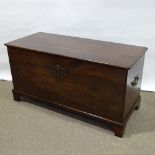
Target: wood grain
(87, 86)
(93, 78)
(113, 54)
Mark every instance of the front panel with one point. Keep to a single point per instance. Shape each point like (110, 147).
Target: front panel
(90, 87)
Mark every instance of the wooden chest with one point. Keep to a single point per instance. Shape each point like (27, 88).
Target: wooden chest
(97, 79)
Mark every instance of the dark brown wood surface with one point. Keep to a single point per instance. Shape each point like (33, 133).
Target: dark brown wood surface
(114, 54)
(132, 93)
(93, 78)
(86, 86)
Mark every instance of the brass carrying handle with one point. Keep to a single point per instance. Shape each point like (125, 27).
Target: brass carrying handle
(59, 71)
(135, 81)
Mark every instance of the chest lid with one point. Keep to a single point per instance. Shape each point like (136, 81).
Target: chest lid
(113, 54)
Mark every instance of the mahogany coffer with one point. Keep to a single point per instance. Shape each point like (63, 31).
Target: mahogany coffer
(96, 79)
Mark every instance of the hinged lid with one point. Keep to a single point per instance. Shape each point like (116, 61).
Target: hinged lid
(113, 54)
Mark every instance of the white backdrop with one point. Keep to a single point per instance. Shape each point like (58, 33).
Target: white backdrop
(122, 21)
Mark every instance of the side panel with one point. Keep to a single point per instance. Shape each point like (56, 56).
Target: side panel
(133, 92)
